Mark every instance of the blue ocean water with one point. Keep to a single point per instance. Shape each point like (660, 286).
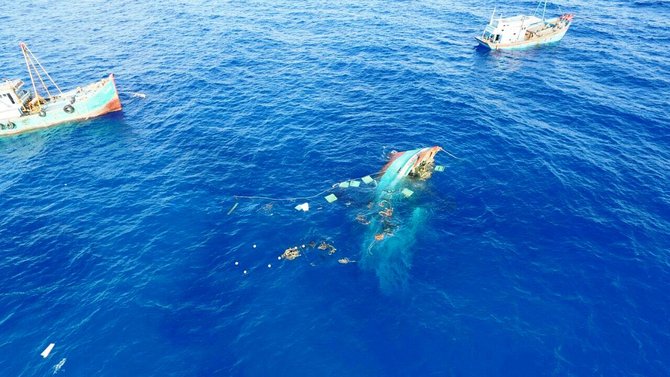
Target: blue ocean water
(541, 250)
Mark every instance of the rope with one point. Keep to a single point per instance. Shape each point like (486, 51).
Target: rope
(281, 199)
(135, 94)
(315, 195)
(451, 155)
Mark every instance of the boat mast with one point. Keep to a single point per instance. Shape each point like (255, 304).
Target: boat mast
(492, 15)
(30, 71)
(31, 59)
(545, 9)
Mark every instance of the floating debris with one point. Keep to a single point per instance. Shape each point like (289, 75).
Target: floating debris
(326, 246)
(291, 253)
(268, 208)
(344, 184)
(362, 219)
(303, 207)
(407, 192)
(345, 261)
(58, 366)
(439, 168)
(47, 350)
(331, 198)
(367, 180)
(354, 183)
(232, 209)
(386, 212)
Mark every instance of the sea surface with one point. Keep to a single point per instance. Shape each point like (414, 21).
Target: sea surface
(543, 249)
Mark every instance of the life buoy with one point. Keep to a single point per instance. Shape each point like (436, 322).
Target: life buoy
(43, 113)
(68, 109)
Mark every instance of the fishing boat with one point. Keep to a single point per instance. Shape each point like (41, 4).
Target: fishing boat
(22, 110)
(524, 31)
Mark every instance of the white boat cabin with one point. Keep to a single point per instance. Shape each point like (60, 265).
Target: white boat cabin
(12, 99)
(511, 29)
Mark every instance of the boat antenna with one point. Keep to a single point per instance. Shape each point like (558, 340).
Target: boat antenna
(545, 9)
(492, 15)
(31, 59)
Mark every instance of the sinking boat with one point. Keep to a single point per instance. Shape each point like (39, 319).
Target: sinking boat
(414, 163)
(396, 219)
(22, 110)
(522, 31)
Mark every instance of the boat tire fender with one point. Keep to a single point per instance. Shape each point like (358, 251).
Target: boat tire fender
(68, 109)
(2, 126)
(11, 125)
(43, 113)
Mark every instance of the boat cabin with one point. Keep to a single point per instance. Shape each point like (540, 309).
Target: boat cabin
(12, 99)
(510, 30)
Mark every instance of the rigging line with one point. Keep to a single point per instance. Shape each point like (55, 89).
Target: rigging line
(45, 71)
(537, 7)
(41, 80)
(30, 72)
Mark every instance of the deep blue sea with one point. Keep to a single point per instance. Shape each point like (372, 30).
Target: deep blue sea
(545, 245)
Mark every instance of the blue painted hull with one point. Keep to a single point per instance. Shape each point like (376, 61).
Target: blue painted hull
(82, 103)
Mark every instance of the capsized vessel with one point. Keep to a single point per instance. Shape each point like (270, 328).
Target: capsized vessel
(524, 31)
(397, 217)
(22, 110)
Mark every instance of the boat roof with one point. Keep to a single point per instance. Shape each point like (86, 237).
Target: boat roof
(10, 84)
(521, 18)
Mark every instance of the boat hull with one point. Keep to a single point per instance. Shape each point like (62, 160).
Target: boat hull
(396, 220)
(520, 45)
(87, 102)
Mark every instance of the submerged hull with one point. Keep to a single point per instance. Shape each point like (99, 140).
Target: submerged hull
(82, 103)
(396, 220)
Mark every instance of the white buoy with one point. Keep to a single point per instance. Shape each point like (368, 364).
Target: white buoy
(303, 246)
(47, 350)
(245, 272)
(254, 246)
(269, 265)
(278, 258)
(237, 263)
